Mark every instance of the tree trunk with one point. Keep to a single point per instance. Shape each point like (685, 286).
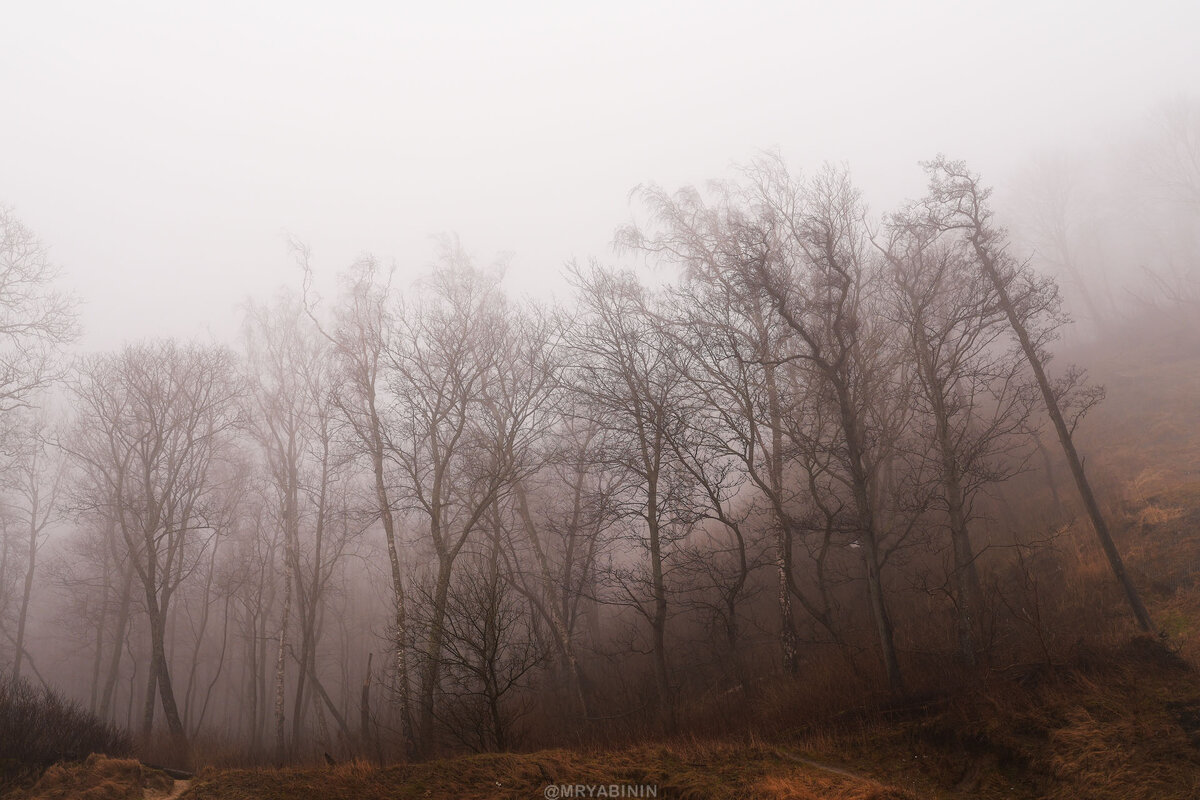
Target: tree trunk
(966, 577)
(991, 268)
(561, 633)
(166, 691)
(869, 540)
(433, 655)
(658, 622)
(114, 664)
(399, 619)
(280, 663)
(783, 540)
(148, 700)
(28, 591)
(364, 705)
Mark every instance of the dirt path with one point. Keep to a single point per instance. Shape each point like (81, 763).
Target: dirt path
(179, 788)
(808, 762)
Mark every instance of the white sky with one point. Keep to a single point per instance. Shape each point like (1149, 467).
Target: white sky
(166, 150)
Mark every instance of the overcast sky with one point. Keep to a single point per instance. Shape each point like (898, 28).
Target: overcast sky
(165, 151)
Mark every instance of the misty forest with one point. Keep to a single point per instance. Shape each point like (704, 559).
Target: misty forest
(789, 493)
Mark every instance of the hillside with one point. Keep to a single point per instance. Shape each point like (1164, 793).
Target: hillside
(1118, 718)
(1120, 723)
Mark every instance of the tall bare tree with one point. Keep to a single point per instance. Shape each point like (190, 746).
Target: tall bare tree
(565, 511)
(958, 202)
(292, 379)
(623, 371)
(972, 393)
(742, 367)
(36, 320)
(462, 426)
(34, 483)
(803, 246)
(361, 335)
(152, 422)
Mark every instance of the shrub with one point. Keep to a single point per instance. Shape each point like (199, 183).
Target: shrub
(39, 727)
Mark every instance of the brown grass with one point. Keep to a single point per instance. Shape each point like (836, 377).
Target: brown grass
(99, 778)
(1090, 713)
(1120, 722)
(1093, 714)
(678, 770)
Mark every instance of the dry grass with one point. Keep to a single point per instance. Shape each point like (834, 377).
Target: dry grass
(1121, 722)
(678, 770)
(99, 778)
(1100, 715)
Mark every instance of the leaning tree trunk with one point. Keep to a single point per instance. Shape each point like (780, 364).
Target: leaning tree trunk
(992, 270)
(160, 676)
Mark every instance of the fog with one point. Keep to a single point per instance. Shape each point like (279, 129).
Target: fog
(376, 382)
(167, 154)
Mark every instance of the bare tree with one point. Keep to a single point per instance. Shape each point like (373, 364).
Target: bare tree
(628, 382)
(34, 483)
(364, 328)
(254, 585)
(524, 397)
(35, 318)
(803, 247)
(490, 647)
(153, 420)
(462, 427)
(565, 512)
(291, 376)
(957, 202)
(743, 371)
(971, 387)
(98, 580)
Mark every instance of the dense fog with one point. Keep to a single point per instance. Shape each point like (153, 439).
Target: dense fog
(372, 384)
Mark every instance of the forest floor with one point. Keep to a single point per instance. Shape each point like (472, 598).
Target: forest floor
(1120, 720)
(1118, 723)
(1116, 720)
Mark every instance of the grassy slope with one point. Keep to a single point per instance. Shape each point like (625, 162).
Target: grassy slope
(98, 778)
(1121, 722)
(691, 770)
(1117, 722)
